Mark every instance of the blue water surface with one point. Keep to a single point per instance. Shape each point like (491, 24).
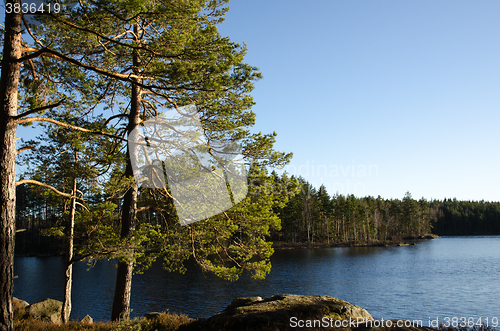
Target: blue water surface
(447, 277)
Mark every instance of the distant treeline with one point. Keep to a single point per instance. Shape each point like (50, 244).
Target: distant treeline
(311, 216)
(467, 218)
(37, 211)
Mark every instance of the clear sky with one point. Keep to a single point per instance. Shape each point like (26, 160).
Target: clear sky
(405, 93)
(378, 97)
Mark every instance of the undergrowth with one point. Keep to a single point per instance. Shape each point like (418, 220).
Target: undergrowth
(164, 322)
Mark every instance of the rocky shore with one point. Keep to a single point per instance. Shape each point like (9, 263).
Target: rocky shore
(279, 312)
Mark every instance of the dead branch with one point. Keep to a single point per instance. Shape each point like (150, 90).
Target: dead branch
(20, 150)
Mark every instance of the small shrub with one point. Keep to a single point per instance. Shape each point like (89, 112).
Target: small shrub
(168, 321)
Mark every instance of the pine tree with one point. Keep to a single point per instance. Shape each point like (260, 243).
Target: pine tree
(35, 103)
(8, 111)
(68, 165)
(325, 212)
(168, 54)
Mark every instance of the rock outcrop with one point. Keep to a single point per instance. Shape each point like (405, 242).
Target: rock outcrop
(46, 310)
(19, 307)
(280, 311)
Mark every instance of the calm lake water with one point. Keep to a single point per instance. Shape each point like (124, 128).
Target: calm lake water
(447, 277)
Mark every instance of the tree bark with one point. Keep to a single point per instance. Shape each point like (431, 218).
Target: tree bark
(121, 302)
(9, 83)
(68, 279)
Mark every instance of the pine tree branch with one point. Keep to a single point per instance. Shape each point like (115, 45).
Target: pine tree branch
(31, 33)
(83, 257)
(82, 205)
(36, 110)
(225, 249)
(153, 208)
(113, 117)
(129, 78)
(51, 53)
(20, 150)
(113, 40)
(35, 182)
(50, 120)
(33, 71)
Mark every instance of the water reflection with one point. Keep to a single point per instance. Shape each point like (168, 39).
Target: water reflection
(445, 277)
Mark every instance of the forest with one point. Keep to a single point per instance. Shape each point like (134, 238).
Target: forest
(313, 216)
(308, 216)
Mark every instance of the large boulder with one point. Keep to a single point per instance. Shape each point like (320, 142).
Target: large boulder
(284, 312)
(46, 310)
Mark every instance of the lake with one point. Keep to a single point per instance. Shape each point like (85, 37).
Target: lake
(447, 277)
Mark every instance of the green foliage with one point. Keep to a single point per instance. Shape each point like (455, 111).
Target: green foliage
(56, 231)
(97, 234)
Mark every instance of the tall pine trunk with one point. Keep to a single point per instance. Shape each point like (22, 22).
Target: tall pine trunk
(9, 83)
(68, 279)
(121, 302)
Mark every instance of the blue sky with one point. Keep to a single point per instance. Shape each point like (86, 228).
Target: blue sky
(405, 93)
(378, 97)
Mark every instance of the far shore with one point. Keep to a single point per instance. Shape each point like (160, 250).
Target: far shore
(390, 242)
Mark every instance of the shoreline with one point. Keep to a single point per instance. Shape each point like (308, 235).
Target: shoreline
(278, 312)
(392, 242)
